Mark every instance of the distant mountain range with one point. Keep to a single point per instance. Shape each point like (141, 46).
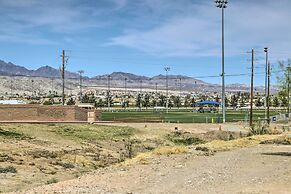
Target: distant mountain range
(10, 69)
(117, 79)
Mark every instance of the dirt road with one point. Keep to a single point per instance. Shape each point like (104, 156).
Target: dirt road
(259, 169)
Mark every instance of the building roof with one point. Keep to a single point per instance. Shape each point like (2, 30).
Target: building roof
(11, 102)
(208, 103)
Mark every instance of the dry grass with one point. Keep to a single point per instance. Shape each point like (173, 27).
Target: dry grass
(170, 150)
(144, 158)
(218, 145)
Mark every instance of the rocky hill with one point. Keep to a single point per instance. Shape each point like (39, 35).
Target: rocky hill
(10, 69)
(175, 82)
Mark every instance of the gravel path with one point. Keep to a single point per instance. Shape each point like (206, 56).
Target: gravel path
(260, 169)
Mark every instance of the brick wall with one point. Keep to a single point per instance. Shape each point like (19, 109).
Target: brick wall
(42, 113)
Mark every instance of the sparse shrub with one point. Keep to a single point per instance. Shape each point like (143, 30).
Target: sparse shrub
(203, 149)
(51, 181)
(10, 134)
(259, 129)
(281, 140)
(9, 169)
(6, 158)
(231, 137)
(180, 138)
(47, 102)
(67, 165)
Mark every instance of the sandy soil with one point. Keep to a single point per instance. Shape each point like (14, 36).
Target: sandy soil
(193, 128)
(258, 169)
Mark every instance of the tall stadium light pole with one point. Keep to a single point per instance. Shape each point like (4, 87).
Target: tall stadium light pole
(80, 83)
(222, 4)
(268, 92)
(167, 69)
(266, 81)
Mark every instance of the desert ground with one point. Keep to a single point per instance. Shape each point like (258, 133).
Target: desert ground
(143, 158)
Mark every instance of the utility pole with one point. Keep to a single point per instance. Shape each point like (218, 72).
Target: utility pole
(268, 95)
(288, 89)
(222, 4)
(180, 87)
(266, 82)
(11, 85)
(52, 92)
(167, 69)
(156, 94)
(108, 92)
(80, 83)
(125, 92)
(32, 88)
(140, 98)
(64, 60)
(252, 90)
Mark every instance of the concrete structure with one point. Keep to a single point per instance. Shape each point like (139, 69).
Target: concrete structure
(40, 113)
(12, 102)
(93, 116)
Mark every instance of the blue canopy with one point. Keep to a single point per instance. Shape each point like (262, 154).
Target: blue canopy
(208, 103)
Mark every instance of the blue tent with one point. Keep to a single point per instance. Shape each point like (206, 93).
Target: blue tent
(208, 103)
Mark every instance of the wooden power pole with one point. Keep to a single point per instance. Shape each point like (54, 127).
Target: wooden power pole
(268, 95)
(288, 89)
(252, 90)
(80, 83)
(63, 76)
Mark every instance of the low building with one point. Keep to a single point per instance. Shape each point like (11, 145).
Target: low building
(12, 102)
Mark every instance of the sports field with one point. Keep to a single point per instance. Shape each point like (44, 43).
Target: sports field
(180, 117)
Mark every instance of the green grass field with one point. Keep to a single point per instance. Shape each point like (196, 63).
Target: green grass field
(181, 117)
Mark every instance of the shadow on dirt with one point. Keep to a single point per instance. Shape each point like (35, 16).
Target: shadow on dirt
(278, 154)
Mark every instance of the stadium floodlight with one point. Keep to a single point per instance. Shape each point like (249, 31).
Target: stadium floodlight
(222, 4)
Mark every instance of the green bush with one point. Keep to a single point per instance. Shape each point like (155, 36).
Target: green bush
(183, 138)
(47, 102)
(51, 181)
(9, 169)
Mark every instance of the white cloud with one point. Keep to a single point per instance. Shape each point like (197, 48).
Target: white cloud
(194, 30)
(26, 20)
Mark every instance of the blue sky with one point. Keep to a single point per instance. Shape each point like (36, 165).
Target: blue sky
(142, 36)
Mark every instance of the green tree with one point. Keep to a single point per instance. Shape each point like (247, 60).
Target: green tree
(85, 99)
(146, 101)
(71, 101)
(226, 102)
(276, 102)
(234, 101)
(259, 102)
(162, 100)
(187, 102)
(193, 101)
(138, 101)
(154, 103)
(284, 83)
(283, 98)
(176, 101)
